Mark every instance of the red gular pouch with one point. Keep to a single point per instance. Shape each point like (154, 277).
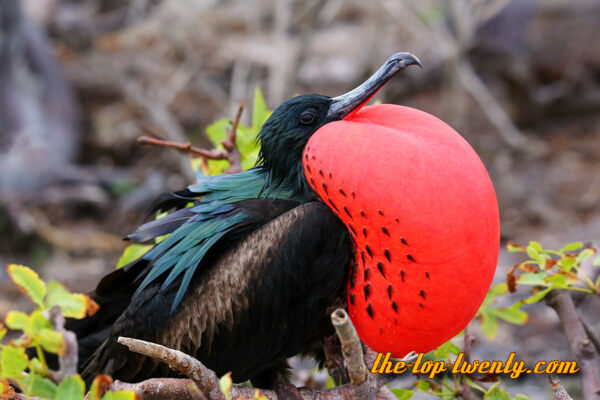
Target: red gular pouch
(422, 212)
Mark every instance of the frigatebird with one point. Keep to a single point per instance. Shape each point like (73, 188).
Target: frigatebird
(249, 273)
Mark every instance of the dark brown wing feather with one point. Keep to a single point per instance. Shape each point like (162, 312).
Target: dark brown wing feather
(263, 298)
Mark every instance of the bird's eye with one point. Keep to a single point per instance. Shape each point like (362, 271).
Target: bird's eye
(307, 116)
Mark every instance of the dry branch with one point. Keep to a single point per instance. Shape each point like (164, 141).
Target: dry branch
(162, 388)
(581, 346)
(68, 361)
(351, 346)
(230, 151)
(558, 391)
(334, 361)
(205, 379)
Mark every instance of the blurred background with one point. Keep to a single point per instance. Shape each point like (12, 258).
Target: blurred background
(520, 80)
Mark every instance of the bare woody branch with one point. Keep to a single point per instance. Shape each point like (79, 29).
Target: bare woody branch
(581, 346)
(351, 346)
(162, 388)
(230, 151)
(68, 360)
(558, 391)
(204, 378)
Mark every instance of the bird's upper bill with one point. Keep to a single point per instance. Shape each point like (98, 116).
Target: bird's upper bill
(349, 103)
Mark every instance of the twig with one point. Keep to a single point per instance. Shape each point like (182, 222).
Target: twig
(558, 391)
(466, 389)
(162, 388)
(581, 346)
(205, 379)
(495, 113)
(214, 154)
(68, 360)
(363, 385)
(334, 361)
(230, 152)
(351, 346)
(233, 153)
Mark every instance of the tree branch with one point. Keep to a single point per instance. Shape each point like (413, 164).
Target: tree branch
(351, 348)
(68, 361)
(334, 361)
(205, 379)
(581, 346)
(230, 152)
(558, 391)
(162, 388)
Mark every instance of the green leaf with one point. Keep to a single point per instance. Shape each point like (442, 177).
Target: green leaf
(489, 324)
(119, 395)
(514, 247)
(537, 296)
(403, 394)
(71, 388)
(51, 341)
(226, 383)
(584, 255)
(571, 247)
(533, 278)
(29, 282)
(535, 245)
(567, 263)
(41, 387)
(495, 291)
(216, 131)
(132, 253)
(72, 305)
(496, 394)
(443, 351)
(37, 322)
(557, 280)
(330, 383)
(36, 366)
(533, 254)
(13, 360)
(472, 384)
(260, 112)
(521, 397)
(423, 385)
(511, 315)
(597, 260)
(17, 320)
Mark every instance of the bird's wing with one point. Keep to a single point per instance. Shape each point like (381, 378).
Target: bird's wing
(264, 298)
(194, 232)
(221, 205)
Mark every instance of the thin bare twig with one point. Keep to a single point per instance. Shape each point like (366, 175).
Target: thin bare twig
(466, 389)
(351, 346)
(581, 346)
(68, 360)
(162, 388)
(214, 154)
(230, 152)
(558, 391)
(334, 361)
(204, 378)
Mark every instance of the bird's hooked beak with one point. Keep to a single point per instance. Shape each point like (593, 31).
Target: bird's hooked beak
(344, 105)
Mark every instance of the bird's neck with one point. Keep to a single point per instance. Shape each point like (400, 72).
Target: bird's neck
(289, 183)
